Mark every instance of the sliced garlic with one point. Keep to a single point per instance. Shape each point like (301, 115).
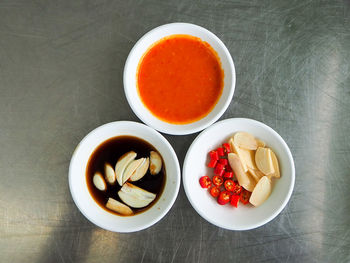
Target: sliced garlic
(236, 149)
(275, 165)
(110, 174)
(99, 182)
(121, 165)
(135, 196)
(256, 174)
(263, 160)
(119, 207)
(243, 178)
(245, 140)
(155, 163)
(246, 156)
(260, 143)
(131, 168)
(140, 171)
(261, 191)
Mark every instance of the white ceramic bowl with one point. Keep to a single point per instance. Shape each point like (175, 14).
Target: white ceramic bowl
(243, 217)
(80, 193)
(130, 81)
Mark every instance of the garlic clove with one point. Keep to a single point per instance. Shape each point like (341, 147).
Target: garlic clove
(246, 156)
(134, 196)
(276, 167)
(119, 207)
(263, 160)
(110, 174)
(131, 168)
(261, 191)
(121, 165)
(155, 163)
(243, 178)
(140, 171)
(260, 143)
(236, 150)
(99, 182)
(245, 140)
(256, 174)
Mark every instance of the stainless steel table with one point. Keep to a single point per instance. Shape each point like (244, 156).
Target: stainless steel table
(61, 65)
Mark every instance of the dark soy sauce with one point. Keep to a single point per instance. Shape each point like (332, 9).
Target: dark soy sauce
(109, 152)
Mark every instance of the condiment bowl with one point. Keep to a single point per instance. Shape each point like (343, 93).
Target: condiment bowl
(79, 189)
(245, 216)
(130, 77)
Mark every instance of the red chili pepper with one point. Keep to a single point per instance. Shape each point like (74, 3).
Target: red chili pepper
(237, 190)
(219, 169)
(218, 180)
(212, 163)
(214, 155)
(205, 181)
(224, 198)
(226, 147)
(223, 162)
(245, 195)
(234, 200)
(215, 191)
(228, 174)
(220, 151)
(228, 168)
(229, 185)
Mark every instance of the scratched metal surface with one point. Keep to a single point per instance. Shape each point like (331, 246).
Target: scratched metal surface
(61, 65)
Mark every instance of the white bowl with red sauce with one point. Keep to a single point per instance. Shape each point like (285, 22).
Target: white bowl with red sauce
(244, 217)
(82, 196)
(132, 84)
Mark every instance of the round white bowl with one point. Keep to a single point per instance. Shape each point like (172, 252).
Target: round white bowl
(130, 81)
(243, 217)
(80, 193)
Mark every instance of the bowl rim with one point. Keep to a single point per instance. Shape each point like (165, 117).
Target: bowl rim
(277, 211)
(186, 130)
(76, 198)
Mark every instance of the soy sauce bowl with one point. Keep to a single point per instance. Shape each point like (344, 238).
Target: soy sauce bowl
(244, 217)
(131, 68)
(87, 205)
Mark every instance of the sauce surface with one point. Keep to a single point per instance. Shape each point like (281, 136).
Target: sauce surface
(109, 152)
(180, 79)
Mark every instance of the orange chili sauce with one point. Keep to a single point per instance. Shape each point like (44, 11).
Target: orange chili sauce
(180, 79)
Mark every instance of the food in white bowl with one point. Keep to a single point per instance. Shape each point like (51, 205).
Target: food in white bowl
(128, 209)
(179, 78)
(243, 170)
(245, 216)
(133, 182)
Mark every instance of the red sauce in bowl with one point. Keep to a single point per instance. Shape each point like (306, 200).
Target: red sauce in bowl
(180, 79)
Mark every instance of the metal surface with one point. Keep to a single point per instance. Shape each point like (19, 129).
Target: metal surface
(61, 65)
